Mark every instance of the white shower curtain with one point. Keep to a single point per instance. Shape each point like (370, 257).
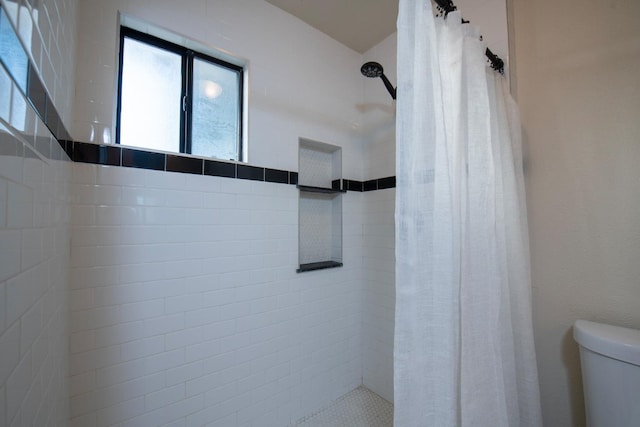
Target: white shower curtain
(464, 353)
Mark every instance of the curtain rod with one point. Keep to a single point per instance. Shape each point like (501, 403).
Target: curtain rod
(496, 62)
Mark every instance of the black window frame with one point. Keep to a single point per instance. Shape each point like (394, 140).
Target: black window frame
(186, 109)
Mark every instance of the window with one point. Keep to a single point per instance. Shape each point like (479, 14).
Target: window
(171, 98)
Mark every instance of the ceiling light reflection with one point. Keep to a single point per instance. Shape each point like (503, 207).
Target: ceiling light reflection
(211, 90)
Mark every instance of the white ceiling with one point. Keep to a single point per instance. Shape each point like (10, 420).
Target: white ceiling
(358, 24)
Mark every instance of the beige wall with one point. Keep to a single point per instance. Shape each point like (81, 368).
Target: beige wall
(578, 86)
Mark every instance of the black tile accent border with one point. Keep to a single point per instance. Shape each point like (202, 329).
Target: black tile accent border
(254, 173)
(52, 119)
(276, 175)
(184, 164)
(143, 159)
(120, 156)
(36, 93)
(62, 132)
(42, 105)
(215, 168)
(388, 182)
(67, 146)
(370, 185)
(379, 184)
(293, 178)
(353, 185)
(98, 154)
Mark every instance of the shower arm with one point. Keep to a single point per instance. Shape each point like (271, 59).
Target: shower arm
(388, 85)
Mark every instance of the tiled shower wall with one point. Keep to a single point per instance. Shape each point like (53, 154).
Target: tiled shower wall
(34, 263)
(35, 177)
(379, 227)
(167, 320)
(379, 291)
(185, 304)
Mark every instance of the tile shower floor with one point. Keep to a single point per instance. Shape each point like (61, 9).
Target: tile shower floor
(358, 408)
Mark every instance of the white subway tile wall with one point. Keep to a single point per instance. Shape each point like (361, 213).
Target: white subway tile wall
(34, 267)
(34, 224)
(314, 93)
(379, 227)
(185, 305)
(379, 293)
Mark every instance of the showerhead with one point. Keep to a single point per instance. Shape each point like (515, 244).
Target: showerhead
(372, 69)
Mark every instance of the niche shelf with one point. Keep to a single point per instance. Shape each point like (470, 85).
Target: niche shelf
(323, 190)
(320, 206)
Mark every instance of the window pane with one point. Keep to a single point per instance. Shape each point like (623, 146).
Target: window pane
(216, 111)
(11, 52)
(151, 97)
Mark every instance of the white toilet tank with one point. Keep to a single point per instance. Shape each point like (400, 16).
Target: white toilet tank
(610, 358)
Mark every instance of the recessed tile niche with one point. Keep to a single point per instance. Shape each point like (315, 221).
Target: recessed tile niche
(320, 206)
